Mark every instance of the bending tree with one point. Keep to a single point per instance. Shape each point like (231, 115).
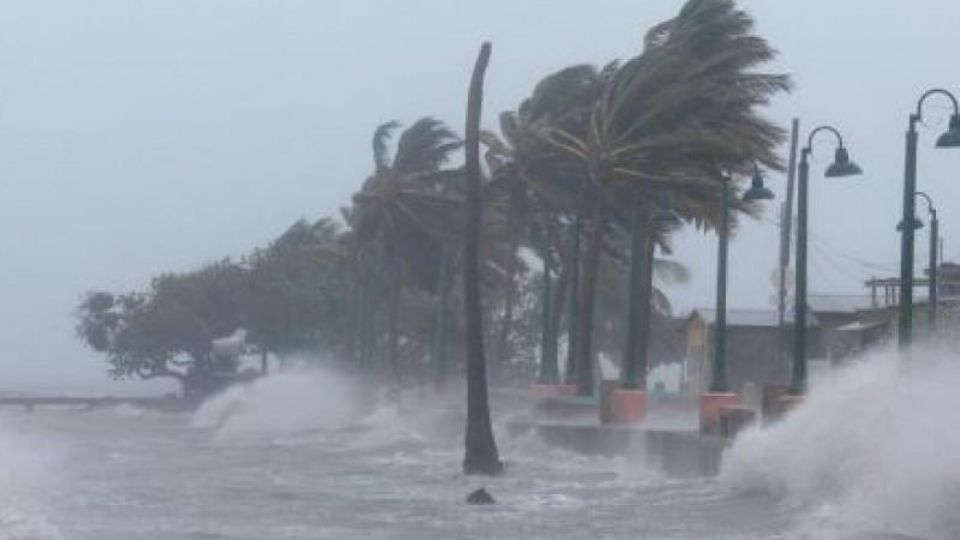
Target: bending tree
(402, 212)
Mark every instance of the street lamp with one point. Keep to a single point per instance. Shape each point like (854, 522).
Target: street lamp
(841, 166)
(756, 192)
(950, 139)
(718, 396)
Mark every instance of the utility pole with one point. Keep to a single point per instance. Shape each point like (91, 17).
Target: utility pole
(786, 224)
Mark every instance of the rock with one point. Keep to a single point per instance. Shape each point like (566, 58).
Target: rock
(480, 496)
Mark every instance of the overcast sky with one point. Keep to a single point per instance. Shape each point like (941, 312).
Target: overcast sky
(141, 136)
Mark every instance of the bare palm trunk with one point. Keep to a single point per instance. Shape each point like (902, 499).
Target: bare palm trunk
(480, 448)
(588, 290)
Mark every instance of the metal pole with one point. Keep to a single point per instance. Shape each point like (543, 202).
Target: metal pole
(718, 381)
(905, 322)
(798, 381)
(934, 267)
(786, 224)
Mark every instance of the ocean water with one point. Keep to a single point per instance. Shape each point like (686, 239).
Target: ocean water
(305, 455)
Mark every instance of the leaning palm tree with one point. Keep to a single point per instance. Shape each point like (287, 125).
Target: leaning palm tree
(401, 213)
(668, 124)
(541, 188)
(520, 161)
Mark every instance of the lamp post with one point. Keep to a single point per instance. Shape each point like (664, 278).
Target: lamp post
(950, 139)
(718, 394)
(757, 192)
(841, 166)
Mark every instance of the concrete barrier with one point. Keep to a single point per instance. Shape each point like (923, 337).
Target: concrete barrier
(673, 452)
(710, 406)
(734, 418)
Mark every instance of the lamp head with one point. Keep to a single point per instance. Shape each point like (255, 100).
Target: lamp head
(951, 139)
(917, 225)
(842, 166)
(757, 191)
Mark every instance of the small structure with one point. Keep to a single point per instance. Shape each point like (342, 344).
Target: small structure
(849, 323)
(755, 341)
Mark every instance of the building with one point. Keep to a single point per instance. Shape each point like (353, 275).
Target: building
(759, 348)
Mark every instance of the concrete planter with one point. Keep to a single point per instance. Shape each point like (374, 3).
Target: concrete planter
(605, 408)
(628, 407)
(711, 407)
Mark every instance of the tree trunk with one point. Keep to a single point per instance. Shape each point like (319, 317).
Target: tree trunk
(480, 448)
(364, 316)
(441, 325)
(570, 374)
(510, 297)
(588, 290)
(634, 363)
(393, 325)
(264, 366)
(646, 308)
(559, 298)
(558, 303)
(548, 342)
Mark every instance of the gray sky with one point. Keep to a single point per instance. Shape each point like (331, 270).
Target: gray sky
(137, 136)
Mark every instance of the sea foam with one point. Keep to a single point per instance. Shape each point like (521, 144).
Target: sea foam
(875, 447)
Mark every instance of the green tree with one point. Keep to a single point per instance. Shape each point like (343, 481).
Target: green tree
(296, 290)
(167, 331)
(399, 216)
(651, 148)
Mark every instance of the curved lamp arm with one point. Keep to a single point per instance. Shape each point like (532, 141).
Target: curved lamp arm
(936, 91)
(813, 134)
(927, 198)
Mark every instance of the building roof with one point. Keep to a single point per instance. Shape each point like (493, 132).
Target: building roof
(760, 318)
(839, 303)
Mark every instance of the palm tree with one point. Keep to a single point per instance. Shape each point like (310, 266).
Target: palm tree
(539, 187)
(515, 161)
(667, 121)
(400, 213)
(480, 448)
